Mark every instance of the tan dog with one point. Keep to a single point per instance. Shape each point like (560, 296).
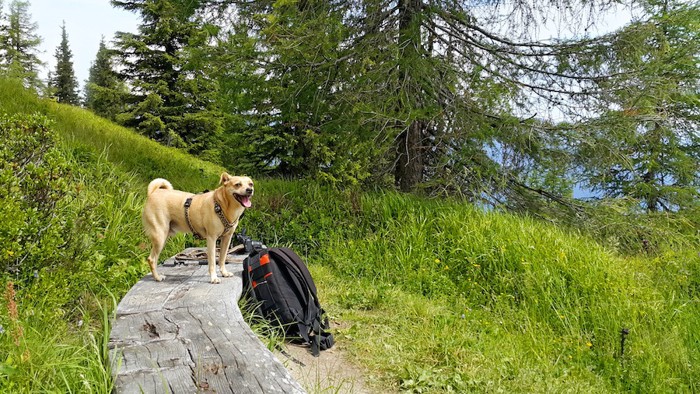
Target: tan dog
(164, 214)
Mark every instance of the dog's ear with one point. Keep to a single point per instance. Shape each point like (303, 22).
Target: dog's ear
(224, 178)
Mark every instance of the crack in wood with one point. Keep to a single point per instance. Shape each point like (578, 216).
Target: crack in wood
(187, 335)
(151, 330)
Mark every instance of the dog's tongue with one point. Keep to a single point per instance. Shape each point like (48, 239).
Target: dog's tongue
(245, 201)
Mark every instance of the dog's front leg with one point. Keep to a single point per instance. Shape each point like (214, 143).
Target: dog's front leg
(223, 252)
(211, 259)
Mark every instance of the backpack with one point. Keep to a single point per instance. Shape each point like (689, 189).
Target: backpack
(278, 282)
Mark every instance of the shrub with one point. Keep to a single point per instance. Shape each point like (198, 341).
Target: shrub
(33, 196)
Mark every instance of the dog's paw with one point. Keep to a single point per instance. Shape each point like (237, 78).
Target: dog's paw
(215, 280)
(158, 278)
(226, 274)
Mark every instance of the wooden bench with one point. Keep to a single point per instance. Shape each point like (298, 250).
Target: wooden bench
(185, 335)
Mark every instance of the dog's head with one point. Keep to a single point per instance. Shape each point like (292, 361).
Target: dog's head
(240, 187)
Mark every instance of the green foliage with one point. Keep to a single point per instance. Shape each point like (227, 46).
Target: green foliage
(292, 118)
(70, 241)
(428, 95)
(104, 94)
(20, 46)
(63, 83)
(173, 100)
(443, 297)
(430, 295)
(644, 146)
(33, 174)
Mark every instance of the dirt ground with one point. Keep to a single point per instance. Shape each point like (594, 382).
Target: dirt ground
(330, 372)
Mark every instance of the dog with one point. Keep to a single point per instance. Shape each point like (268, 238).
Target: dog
(168, 211)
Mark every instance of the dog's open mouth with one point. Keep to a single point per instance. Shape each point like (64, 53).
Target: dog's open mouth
(244, 200)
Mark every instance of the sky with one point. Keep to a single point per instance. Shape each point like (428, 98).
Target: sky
(86, 22)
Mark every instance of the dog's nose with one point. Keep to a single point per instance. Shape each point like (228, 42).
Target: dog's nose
(249, 190)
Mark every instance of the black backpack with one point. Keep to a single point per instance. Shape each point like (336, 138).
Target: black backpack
(280, 285)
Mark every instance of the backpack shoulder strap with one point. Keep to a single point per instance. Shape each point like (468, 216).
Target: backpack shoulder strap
(294, 260)
(251, 262)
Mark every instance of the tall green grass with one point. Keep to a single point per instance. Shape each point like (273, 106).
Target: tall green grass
(438, 296)
(427, 295)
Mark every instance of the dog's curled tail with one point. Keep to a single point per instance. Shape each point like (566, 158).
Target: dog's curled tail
(159, 183)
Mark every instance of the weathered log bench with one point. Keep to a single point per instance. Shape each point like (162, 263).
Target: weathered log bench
(185, 335)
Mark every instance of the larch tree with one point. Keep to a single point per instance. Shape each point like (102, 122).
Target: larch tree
(645, 145)
(438, 96)
(3, 37)
(22, 46)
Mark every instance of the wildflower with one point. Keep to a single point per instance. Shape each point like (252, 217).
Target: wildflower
(17, 332)
(437, 261)
(589, 344)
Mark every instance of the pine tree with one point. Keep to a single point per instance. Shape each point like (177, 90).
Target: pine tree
(22, 47)
(105, 94)
(64, 85)
(173, 99)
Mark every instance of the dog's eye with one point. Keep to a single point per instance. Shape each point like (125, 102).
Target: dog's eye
(238, 184)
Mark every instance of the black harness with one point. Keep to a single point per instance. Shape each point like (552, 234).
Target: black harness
(219, 212)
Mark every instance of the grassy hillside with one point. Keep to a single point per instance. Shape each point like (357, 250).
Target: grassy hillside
(427, 295)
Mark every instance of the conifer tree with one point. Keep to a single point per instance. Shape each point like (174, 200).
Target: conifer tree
(645, 146)
(22, 48)
(173, 100)
(64, 85)
(427, 88)
(104, 92)
(3, 37)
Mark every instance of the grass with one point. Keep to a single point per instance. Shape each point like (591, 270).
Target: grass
(429, 295)
(441, 297)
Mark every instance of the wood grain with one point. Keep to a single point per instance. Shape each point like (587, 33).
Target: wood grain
(186, 335)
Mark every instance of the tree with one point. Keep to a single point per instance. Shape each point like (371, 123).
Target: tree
(21, 57)
(429, 92)
(283, 122)
(173, 99)
(63, 83)
(105, 94)
(646, 143)
(3, 37)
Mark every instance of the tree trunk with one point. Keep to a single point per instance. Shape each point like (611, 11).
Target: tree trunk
(409, 162)
(408, 172)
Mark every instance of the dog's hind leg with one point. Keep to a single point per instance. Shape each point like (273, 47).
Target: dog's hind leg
(157, 241)
(211, 259)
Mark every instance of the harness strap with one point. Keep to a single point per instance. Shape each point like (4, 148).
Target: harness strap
(188, 202)
(219, 212)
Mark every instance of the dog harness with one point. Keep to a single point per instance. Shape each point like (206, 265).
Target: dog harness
(219, 212)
